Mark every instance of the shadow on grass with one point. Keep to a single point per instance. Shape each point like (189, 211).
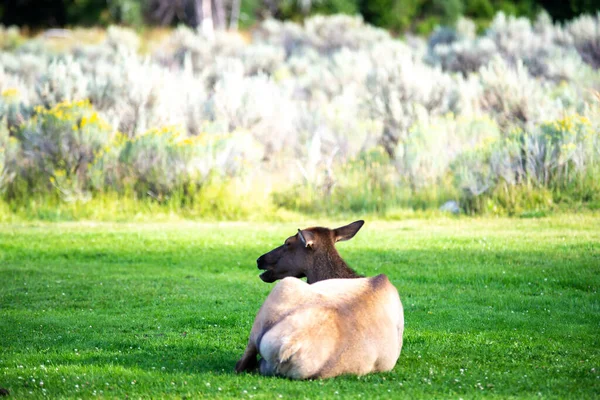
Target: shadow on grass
(179, 359)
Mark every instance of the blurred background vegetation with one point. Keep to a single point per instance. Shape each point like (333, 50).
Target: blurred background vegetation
(482, 107)
(399, 16)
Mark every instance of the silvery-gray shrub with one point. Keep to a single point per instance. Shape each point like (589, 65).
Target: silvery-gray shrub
(63, 80)
(398, 85)
(4, 171)
(58, 146)
(434, 143)
(10, 37)
(323, 93)
(514, 97)
(585, 33)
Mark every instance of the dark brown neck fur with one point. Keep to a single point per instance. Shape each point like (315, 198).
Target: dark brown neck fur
(329, 265)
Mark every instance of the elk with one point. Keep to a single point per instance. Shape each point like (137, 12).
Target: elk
(335, 323)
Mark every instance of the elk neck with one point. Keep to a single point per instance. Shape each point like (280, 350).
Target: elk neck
(329, 265)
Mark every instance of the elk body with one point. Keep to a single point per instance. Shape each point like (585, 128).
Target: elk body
(335, 323)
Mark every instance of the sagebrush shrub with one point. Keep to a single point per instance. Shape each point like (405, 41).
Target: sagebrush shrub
(3, 154)
(297, 103)
(585, 33)
(552, 155)
(165, 161)
(58, 146)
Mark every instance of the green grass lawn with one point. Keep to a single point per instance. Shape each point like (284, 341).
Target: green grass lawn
(493, 307)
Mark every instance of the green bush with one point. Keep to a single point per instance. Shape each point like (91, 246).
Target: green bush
(555, 162)
(163, 162)
(368, 183)
(10, 38)
(479, 9)
(423, 159)
(12, 111)
(396, 15)
(4, 149)
(59, 145)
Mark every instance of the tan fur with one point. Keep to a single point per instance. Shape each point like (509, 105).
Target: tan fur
(329, 328)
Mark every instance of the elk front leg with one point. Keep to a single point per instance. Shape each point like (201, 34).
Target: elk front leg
(248, 361)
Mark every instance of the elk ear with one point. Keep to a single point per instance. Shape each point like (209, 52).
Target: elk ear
(347, 232)
(306, 238)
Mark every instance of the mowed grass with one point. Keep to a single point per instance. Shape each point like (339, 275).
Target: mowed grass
(493, 307)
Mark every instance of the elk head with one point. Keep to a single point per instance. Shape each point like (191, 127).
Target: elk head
(310, 253)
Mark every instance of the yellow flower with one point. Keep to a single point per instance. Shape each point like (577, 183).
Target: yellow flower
(10, 92)
(187, 141)
(584, 120)
(567, 147)
(120, 139)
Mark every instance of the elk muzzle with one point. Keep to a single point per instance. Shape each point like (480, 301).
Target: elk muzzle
(262, 264)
